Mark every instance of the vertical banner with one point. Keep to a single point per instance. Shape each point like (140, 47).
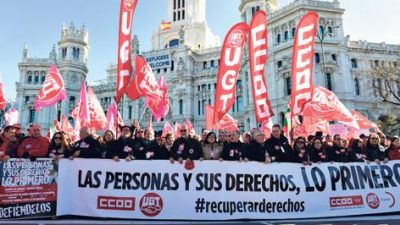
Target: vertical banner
(258, 50)
(231, 58)
(124, 69)
(302, 62)
(28, 189)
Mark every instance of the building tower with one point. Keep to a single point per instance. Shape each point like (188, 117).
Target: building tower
(248, 8)
(188, 27)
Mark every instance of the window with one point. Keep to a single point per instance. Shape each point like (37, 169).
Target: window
(204, 65)
(174, 16)
(239, 84)
(329, 81)
(29, 77)
(321, 30)
(239, 103)
(165, 70)
(183, 14)
(212, 63)
(288, 85)
(354, 63)
(26, 99)
(376, 62)
(278, 38)
(31, 115)
(357, 86)
(72, 101)
(203, 87)
(199, 108)
(209, 101)
(258, 8)
(42, 78)
(293, 32)
(158, 71)
(253, 11)
(130, 112)
(179, 4)
(203, 106)
(173, 43)
(64, 53)
(36, 79)
(279, 64)
(282, 118)
(179, 15)
(183, 3)
(286, 35)
(317, 58)
(334, 58)
(172, 65)
(180, 107)
(198, 87)
(209, 86)
(174, 4)
(330, 31)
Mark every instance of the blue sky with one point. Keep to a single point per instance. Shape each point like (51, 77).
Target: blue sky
(38, 23)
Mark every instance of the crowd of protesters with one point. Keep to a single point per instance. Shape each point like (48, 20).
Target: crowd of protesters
(135, 143)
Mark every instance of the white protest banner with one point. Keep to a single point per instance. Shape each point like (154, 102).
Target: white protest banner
(216, 190)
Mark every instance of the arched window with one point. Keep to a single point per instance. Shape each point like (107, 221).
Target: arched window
(334, 57)
(212, 63)
(239, 103)
(29, 77)
(72, 101)
(173, 43)
(199, 108)
(279, 64)
(288, 85)
(31, 115)
(253, 11)
(278, 38)
(180, 107)
(64, 53)
(42, 79)
(317, 58)
(26, 99)
(203, 106)
(293, 32)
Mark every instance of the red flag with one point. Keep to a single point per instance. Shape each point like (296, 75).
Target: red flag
(190, 126)
(226, 123)
(83, 115)
(57, 125)
(144, 83)
(258, 50)
(362, 122)
(302, 63)
(325, 106)
(65, 125)
(231, 58)
(310, 126)
(11, 117)
(112, 113)
(159, 107)
(177, 130)
(98, 120)
(124, 69)
(3, 101)
(53, 90)
(266, 127)
(167, 129)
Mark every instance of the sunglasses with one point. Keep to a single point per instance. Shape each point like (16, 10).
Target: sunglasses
(374, 138)
(17, 128)
(59, 138)
(140, 131)
(183, 130)
(300, 142)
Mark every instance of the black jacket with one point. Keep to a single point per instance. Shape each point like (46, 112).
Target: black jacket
(336, 154)
(256, 151)
(373, 153)
(280, 150)
(123, 147)
(186, 148)
(233, 151)
(88, 147)
(317, 156)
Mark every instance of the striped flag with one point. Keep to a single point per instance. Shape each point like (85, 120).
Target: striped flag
(165, 25)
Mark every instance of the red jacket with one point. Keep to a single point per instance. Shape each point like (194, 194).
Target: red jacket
(36, 147)
(394, 154)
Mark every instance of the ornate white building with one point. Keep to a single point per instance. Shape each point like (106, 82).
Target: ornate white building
(188, 56)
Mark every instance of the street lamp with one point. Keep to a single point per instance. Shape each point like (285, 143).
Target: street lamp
(322, 33)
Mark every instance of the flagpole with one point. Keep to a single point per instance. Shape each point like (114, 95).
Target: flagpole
(141, 116)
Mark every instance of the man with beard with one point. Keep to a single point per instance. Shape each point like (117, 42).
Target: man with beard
(185, 148)
(278, 146)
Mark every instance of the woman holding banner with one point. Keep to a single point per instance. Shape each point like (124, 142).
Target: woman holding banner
(211, 149)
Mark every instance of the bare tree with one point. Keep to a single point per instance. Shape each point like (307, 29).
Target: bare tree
(386, 81)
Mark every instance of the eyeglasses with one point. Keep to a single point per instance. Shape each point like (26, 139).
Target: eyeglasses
(183, 130)
(374, 138)
(337, 139)
(59, 138)
(300, 142)
(140, 131)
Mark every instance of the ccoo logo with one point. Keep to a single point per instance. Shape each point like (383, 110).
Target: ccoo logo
(151, 204)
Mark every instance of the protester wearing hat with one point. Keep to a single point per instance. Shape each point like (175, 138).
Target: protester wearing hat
(257, 149)
(394, 148)
(278, 146)
(185, 148)
(211, 148)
